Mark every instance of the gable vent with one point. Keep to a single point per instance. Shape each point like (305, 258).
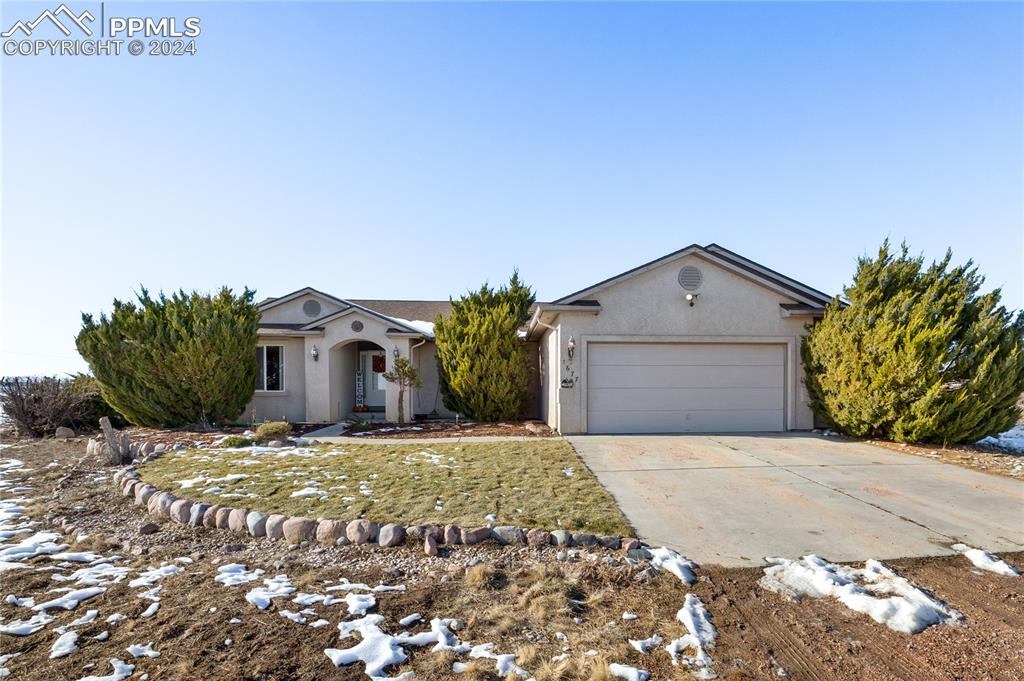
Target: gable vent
(690, 278)
(311, 308)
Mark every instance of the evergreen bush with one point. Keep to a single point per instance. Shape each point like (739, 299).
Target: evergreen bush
(918, 355)
(482, 364)
(272, 430)
(184, 360)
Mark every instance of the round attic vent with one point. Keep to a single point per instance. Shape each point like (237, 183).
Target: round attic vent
(357, 326)
(311, 308)
(690, 278)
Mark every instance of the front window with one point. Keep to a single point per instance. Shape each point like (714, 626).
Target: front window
(270, 367)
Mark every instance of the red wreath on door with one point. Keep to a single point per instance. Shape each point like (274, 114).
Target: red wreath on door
(379, 366)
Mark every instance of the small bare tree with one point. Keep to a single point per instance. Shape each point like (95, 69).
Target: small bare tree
(405, 375)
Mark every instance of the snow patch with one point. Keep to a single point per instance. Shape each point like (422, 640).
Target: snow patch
(986, 561)
(665, 558)
(867, 590)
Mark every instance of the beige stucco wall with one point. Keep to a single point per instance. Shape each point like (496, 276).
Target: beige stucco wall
(290, 404)
(427, 399)
(291, 312)
(650, 306)
(549, 376)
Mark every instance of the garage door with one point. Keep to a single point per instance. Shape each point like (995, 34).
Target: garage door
(684, 387)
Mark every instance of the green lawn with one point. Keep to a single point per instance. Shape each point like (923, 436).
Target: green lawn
(522, 483)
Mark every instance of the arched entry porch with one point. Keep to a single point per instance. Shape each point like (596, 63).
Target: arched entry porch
(357, 385)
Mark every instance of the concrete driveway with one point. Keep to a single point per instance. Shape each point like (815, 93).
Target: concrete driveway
(734, 499)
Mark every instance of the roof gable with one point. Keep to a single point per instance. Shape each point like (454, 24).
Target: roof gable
(722, 257)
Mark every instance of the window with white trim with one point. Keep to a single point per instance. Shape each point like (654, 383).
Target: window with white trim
(270, 368)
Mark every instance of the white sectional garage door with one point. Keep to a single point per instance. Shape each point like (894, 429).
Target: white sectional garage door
(685, 387)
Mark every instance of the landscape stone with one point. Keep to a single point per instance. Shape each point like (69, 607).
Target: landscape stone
(452, 534)
(342, 541)
(538, 537)
(159, 448)
(391, 535)
(143, 493)
(223, 514)
(361, 531)
(430, 545)
(210, 517)
(164, 508)
(561, 538)
(63, 433)
(153, 505)
(236, 520)
(129, 487)
(583, 539)
(277, 444)
(475, 536)
(275, 526)
(148, 528)
(629, 543)
(638, 554)
(298, 529)
(147, 448)
(609, 542)
(256, 523)
(507, 535)
(180, 511)
(330, 531)
(197, 513)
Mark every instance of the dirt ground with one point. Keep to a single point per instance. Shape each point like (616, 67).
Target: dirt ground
(979, 457)
(520, 599)
(449, 428)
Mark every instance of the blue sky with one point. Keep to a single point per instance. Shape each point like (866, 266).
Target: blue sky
(416, 150)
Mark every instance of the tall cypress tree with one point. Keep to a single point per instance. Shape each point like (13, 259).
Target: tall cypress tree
(482, 364)
(918, 355)
(183, 360)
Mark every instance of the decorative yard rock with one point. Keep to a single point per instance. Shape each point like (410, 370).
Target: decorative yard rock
(629, 543)
(143, 493)
(391, 535)
(147, 448)
(148, 528)
(256, 523)
(223, 514)
(236, 520)
(538, 537)
(63, 433)
(475, 536)
(196, 515)
(159, 448)
(210, 517)
(277, 444)
(330, 531)
(430, 545)
(361, 531)
(129, 487)
(275, 526)
(583, 539)
(164, 508)
(561, 538)
(153, 506)
(181, 510)
(638, 554)
(507, 535)
(452, 534)
(609, 542)
(299, 529)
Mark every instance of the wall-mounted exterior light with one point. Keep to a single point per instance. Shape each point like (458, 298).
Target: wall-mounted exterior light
(314, 352)
(691, 298)
(395, 352)
(570, 347)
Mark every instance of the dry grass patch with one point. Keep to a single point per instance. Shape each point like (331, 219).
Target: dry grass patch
(520, 483)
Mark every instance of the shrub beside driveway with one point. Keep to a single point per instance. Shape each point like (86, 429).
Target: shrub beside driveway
(534, 483)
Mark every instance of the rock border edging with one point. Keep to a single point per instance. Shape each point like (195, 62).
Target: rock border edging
(164, 505)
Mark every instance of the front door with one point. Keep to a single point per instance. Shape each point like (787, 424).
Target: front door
(372, 364)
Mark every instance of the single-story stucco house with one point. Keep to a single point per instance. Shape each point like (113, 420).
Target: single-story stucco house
(700, 340)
